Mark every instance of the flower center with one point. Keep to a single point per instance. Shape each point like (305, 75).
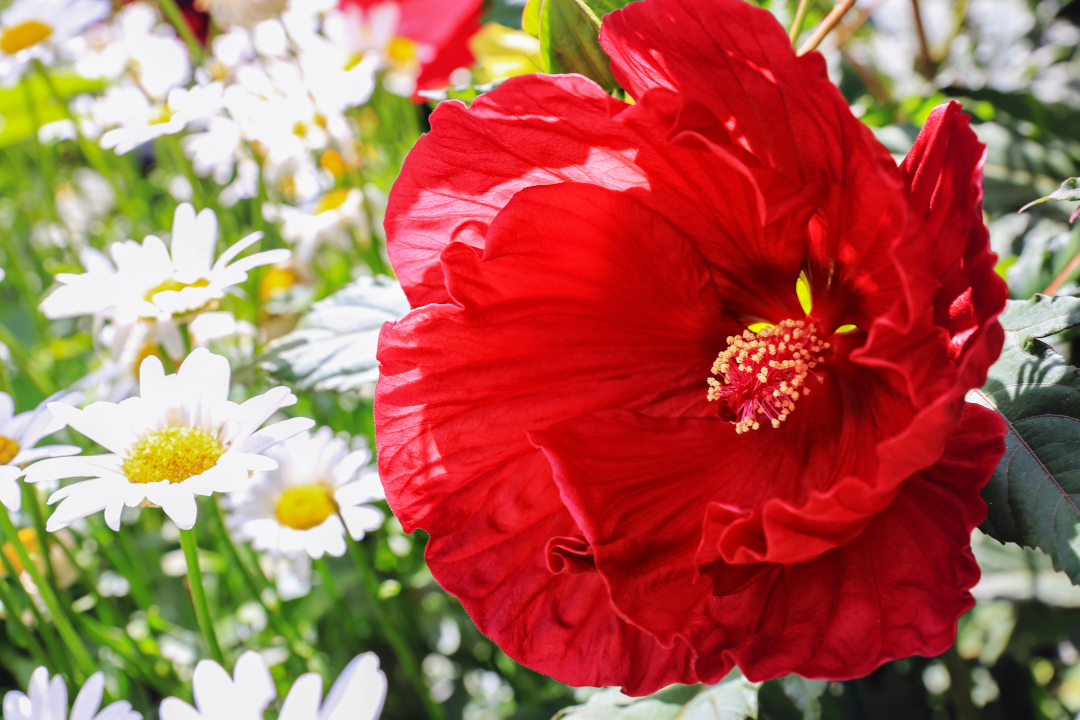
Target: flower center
(173, 454)
(304, 506)
(331, 201)
(8, 450)
(22, 35)
(762, 374)
(402, 52)
(276, 282)
(174, 286)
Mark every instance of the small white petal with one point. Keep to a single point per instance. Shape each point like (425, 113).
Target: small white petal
(302, 702)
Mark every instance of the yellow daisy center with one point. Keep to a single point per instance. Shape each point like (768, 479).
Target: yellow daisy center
(331, 201)
(8, 450)
(23, 35)
(402, 52)
(173, 454)
(304, 506)
(276, 283)
(331, 160)
(173, 285)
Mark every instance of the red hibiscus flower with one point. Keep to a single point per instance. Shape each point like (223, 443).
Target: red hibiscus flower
(684, 383)
(441, 30)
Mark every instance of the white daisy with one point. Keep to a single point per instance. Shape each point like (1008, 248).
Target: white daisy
(146, 281)
(31, 29)
(357, 694)
(48, 701)
(294, 509)
(182, 106)
(18, 436)
(181, 438)
(129, 345)
(328, 220)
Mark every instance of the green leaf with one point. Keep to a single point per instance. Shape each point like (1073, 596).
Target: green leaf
(804, 694)
(732, 699)
(1033, 496)
(570, 41)
(333, 347)
(530, 18)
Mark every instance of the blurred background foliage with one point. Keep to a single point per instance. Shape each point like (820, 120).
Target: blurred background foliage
(1014, 64)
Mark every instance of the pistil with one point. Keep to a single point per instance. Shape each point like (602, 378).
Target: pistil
(762, 374)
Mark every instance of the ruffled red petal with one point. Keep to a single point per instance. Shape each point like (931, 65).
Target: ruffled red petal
(644, 503)
(560, 317)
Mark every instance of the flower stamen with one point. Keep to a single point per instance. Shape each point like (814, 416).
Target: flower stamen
(8, 450)
(23, 35)
(764, 373)
(173, 453)
(303, 507)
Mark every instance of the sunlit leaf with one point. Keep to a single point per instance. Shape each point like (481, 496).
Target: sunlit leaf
(1034, 494)
(804, 695)
(732, 699)
(333, 347)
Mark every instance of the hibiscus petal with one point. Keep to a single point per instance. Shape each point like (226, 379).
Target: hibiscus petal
(736, 60)
(549, 322)
(943, 173)
(839, 616)
(530, 130)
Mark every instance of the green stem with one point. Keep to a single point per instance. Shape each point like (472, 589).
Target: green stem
(273, 612)
(123, 561)
(25, 363)
(797, 24)
(84, 663)
(52, 644)
(172, 12)
(31, 500)
(90, 150)
(198, 594)
(123, 646)
(389, 628)
(13, 617)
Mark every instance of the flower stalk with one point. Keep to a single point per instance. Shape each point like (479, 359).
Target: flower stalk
(84, 665)
(390, 628)
(198, 594)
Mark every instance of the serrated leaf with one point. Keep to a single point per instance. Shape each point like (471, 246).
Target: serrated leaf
(1033, 497)
(333, 347)
(804, 695)
(732, 699)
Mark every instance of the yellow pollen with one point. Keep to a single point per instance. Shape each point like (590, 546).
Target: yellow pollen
(23, 35)
(8, 450)
(760, 378)
(402, 51)
(148, 348)
(331, 201)
(276, 282)
(160, 114)
(173, 454)
(332, 161)
(28, 537)
(174, 286)
(304, 506)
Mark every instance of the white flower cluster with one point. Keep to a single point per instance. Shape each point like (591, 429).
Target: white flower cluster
(357, 694)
